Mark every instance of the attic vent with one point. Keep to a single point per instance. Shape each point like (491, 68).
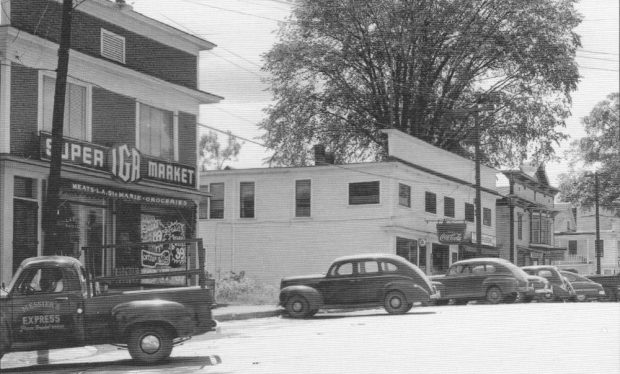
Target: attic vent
(112, 46)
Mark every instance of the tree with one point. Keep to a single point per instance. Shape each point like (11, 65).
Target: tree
(212, 156)
(344, 70)
(600, 146)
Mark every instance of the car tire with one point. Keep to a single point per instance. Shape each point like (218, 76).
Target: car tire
(494, 295)
(298, 307)
(149, 344)
(396, 303)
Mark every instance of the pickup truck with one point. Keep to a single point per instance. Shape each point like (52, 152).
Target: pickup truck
(54, 302)
(610, 283)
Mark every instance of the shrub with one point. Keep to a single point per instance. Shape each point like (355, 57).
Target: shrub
(239, 289)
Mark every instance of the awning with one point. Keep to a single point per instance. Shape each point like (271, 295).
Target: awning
(486, 250)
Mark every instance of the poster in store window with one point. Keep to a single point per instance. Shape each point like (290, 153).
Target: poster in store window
(162, 257)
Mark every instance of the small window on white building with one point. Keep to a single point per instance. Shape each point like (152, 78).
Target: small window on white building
(364, 193)
(404, 195)
(112, 46)
(302, 198)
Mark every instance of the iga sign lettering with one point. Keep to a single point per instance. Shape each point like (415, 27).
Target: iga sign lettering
(123, 162)
(451, 233)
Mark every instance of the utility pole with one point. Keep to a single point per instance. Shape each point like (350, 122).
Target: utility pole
(478, 197)
(597, 242)
(51, 203)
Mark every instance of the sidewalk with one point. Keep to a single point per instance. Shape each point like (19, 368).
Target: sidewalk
(221, 313)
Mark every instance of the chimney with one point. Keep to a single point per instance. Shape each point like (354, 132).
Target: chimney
(319, 155)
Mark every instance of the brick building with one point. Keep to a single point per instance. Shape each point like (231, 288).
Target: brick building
(130, 147)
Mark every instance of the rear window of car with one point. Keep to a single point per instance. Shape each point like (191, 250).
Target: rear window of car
(478, 269)
(368, 267)
(389, 267)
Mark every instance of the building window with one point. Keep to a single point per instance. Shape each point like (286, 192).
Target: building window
(520, 226)
(572, 247)
(216, 210)
(486, 216)
(246, 199)
(448, 206)
(540, 228)
(302, 198)
(25, 187)
(364, 193)
(112, 46)
(76, 103)
(404, 195)
(430, 202)
(470, 214)
(156, 132)
(408, 249)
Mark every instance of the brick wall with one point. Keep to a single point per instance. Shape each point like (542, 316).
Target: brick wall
(42, 18)
(187, 138)
(114, 118)
(24, 106)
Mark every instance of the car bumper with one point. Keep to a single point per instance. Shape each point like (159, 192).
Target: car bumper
(526, 291)
(436, 295)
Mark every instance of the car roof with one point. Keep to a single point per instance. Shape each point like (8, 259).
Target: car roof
(495, 260)
(538, 267)
(54, 260)
(370, 256)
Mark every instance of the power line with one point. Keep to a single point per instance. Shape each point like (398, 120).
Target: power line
(597, 52)
(233, 11)
(230, 133)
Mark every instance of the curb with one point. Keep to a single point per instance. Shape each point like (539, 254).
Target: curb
(250, 315)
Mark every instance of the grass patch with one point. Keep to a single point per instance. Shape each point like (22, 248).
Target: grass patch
(239, 289)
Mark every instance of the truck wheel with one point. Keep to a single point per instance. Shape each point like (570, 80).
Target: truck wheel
(396, 303)
(149, 344)
(297, 307)
(494, 295)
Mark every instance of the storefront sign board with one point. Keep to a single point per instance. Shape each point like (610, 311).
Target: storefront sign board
(451, 233)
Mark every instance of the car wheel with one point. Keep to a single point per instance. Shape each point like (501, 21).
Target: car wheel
(298, 307)
(494, 295)
(396, 303)
(149, 344)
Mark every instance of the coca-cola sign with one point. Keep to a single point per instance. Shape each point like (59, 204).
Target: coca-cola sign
(451, 233)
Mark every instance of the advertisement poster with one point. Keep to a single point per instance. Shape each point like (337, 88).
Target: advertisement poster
(164, 257)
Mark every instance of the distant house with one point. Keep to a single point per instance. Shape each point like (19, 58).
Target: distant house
(525, 217)
(579, 241)
(276, 222)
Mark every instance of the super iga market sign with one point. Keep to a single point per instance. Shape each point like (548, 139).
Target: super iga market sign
(122, 161)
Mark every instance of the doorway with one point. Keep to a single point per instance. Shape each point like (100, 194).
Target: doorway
(440, 258)
(25, 231)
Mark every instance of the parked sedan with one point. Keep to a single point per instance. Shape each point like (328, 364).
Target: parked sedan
(562, 289)
(491, 279)
(366, 280)
(585, 289)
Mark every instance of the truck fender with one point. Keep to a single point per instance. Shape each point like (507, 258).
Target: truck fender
(412, 291)
(314, 297)
(156, 312)
(5, 335)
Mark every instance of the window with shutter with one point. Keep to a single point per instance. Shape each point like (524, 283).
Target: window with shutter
(112, 46)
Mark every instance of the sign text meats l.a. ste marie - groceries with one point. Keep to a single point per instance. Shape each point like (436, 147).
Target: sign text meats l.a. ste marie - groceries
(124, 162)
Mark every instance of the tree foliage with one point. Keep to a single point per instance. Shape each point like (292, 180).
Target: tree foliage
(213, 155)
(600, 147)
(344, 70)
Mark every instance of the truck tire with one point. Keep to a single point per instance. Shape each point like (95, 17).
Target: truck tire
(298, 307)
(149, 344)
(396, 303)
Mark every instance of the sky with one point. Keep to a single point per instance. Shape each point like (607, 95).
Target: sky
(244, 30)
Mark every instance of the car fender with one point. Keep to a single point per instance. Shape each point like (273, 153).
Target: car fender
(158, 312)
(412, 291)
(314, 297)
(505, 284)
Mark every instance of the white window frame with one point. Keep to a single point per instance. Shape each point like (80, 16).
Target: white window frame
(105, 32)
(175, 128)
(89, 103)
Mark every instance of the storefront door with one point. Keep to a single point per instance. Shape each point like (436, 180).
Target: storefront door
(25, 233)
(440, 257)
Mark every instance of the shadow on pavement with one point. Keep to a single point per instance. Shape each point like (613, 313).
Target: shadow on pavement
(178, 364)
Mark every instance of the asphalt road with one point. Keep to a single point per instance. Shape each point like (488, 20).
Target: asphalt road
(519, 338)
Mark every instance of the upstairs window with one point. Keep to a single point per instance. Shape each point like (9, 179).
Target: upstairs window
(486, 217)
(302, 198)
(404, 195)
(364, 193)
(112, 46)
(448, 206)
(470, 212)
(76, 104)
(430, 202)
(216, 208)
(156, 132)
(246, 199)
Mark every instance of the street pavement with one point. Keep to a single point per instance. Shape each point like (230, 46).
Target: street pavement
(221, 313)
(567, 338)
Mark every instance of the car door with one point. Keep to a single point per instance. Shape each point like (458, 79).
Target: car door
(370, 281)
(474, 285)
(339, 285)
(452, 282)
(44, 316)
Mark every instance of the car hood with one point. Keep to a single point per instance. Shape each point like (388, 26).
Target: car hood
(302, 279)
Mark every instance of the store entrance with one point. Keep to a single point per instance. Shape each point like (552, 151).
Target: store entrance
(25, 233)
(440, 258)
